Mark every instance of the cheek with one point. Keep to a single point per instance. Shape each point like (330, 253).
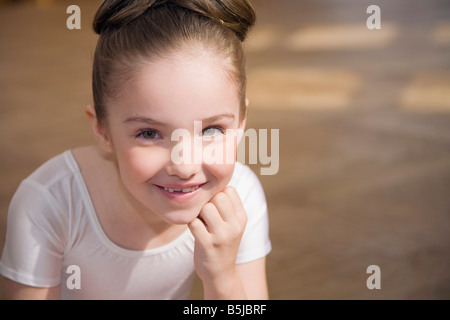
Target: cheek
(222, 174)
(140, 164)
(223, 168)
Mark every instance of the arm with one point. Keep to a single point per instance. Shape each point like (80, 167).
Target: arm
(35, 240)
(16, 291)
(253, 279)
(247, 283)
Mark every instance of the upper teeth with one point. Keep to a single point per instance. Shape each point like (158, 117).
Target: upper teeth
(181, 190)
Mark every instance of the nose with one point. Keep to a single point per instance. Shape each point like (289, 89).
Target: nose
(183, 171)
(184, 160)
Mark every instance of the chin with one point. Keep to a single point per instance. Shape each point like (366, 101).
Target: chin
(180, 217)
(182, 212)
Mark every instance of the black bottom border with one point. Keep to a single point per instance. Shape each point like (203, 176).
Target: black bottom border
(271, 309)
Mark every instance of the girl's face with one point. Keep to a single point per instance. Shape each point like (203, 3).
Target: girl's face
(164, 96)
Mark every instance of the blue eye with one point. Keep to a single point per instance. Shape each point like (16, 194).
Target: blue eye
(212, 131)
(149, 135)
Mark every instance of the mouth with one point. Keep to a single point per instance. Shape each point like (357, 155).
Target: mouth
(183, 190)
(180, 192)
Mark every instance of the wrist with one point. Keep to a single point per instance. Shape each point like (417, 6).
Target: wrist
(227, 286)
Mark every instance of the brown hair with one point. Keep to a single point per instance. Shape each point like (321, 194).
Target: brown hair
(133, 30)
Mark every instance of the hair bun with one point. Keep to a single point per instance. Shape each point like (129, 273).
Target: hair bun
(237, 15)
(119, 12)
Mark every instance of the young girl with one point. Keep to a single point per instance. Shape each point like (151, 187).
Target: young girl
(124, 220)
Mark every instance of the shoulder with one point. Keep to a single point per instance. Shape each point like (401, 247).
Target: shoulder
(53, 171)
(53, 179)
(44, 195)
(243, 176)
(244, 180)
(39, 210)
(249, 188)
(38, 223)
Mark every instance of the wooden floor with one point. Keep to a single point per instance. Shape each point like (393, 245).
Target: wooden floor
(364, 120)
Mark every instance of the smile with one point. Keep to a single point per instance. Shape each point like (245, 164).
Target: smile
(184, 190)
(181, 192)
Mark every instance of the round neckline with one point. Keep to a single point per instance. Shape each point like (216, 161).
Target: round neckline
(92, 214)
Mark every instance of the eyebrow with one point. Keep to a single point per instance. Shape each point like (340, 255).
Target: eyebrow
(145, 120)
(229, 116)
(150, 121)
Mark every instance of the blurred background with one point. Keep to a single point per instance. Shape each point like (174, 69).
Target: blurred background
(364, 120)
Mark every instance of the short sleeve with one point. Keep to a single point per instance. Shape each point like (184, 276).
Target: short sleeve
(35, 237)
(255, 242)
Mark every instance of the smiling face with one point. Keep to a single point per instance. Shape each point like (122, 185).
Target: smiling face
(163, 96)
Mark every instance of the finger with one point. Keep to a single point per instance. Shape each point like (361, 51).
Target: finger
(211, 217)
(235, 199)
(224, 206)
(198, 230)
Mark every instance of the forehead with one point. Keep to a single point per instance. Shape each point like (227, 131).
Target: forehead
(179, 87)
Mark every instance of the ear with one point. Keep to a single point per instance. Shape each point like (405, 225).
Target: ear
(100, 133)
